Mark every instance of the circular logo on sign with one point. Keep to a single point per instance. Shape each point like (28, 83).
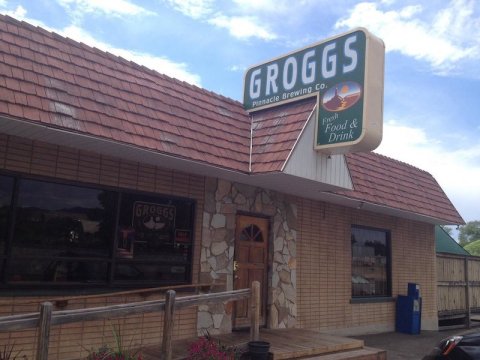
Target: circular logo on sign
(341, 96)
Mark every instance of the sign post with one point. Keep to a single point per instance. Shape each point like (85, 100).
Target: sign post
(345, 73)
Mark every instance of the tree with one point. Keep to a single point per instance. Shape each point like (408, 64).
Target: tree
(473, 248)
(469, 232)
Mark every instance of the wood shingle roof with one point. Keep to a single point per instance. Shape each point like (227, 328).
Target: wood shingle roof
(384, 181)
(56, 82)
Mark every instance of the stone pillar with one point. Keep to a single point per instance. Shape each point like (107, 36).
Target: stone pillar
(283, 306)
(223, 200)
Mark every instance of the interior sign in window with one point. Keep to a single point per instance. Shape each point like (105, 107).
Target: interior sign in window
(344, 73)
(149, 218)
(182, 236)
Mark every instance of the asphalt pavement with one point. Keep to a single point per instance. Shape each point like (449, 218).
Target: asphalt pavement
(408, 347)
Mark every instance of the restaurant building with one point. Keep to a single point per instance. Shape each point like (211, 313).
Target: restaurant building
(114, 177)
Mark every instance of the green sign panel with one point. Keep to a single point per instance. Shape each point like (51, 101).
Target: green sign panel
(336, 71)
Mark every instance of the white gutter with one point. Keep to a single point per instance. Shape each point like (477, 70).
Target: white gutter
(251, 146)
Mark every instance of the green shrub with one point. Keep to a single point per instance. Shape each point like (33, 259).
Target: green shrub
(119, 352)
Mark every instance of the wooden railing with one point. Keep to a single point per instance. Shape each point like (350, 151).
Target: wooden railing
(62, 301)
(47, 317)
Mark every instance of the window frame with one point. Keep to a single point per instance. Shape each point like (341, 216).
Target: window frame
(48, 287)
(5, 255)
(388, 266)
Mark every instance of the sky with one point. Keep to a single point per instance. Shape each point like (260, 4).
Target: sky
(432, 62)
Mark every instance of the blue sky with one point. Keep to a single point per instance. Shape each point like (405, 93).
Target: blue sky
(432, 68)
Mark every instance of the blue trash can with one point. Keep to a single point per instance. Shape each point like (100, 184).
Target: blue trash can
(409, 311)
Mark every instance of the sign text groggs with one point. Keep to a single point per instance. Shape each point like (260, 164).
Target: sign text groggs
(345, 74)
(300, 73)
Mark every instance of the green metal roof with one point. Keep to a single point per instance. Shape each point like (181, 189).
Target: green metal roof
(444, 243)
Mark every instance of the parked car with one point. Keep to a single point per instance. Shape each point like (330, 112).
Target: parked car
(460, 347)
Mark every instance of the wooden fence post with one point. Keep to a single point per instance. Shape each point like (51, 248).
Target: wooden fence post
(255, 312)
(44, 330)
(168, 324)
(467, 292)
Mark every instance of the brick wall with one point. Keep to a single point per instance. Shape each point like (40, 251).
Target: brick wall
(323, 266)
(324, 269)
(72, 340)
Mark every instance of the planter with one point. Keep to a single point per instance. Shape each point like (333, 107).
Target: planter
(258, 350)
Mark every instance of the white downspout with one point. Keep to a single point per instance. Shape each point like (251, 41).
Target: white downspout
(251, 145)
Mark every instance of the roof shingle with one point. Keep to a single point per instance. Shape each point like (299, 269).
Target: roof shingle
(274, 133)
(384, 181)
(57, 82)
(122, 100)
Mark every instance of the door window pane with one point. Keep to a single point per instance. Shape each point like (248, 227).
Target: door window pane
(251, 233)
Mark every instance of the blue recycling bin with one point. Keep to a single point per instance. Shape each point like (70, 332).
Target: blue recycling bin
(409, 311)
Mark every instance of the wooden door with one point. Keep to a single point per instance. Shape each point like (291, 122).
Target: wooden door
(250, 264)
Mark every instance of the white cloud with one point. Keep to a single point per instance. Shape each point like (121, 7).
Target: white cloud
(160, 64)
(235, 68)
(285, 7)
(195, 9)
(271, 6)
(18, 13)
(443, 41)
(105, 7)
(456, 170)
(242, 27)
(239, 26)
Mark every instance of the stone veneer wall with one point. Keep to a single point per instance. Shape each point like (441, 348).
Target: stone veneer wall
(223, 200)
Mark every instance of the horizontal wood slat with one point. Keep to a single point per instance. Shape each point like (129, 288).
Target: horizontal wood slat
(46, 318)
(30, 320)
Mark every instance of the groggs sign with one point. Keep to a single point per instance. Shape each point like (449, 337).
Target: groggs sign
(345, 73)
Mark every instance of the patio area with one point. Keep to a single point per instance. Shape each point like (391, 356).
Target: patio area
(286, 344)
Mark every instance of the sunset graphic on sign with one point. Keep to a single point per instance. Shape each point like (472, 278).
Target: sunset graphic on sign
(341, 96)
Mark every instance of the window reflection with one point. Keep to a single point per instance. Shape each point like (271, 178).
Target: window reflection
(58, 271)
(64, 224)
(6, 191)
(63, 220)
(72, 234)
(154, 240)
(370, 262)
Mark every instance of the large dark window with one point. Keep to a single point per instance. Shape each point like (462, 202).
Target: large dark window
(6, 193)
(64, 235)
(370, 262)
(59, 231)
